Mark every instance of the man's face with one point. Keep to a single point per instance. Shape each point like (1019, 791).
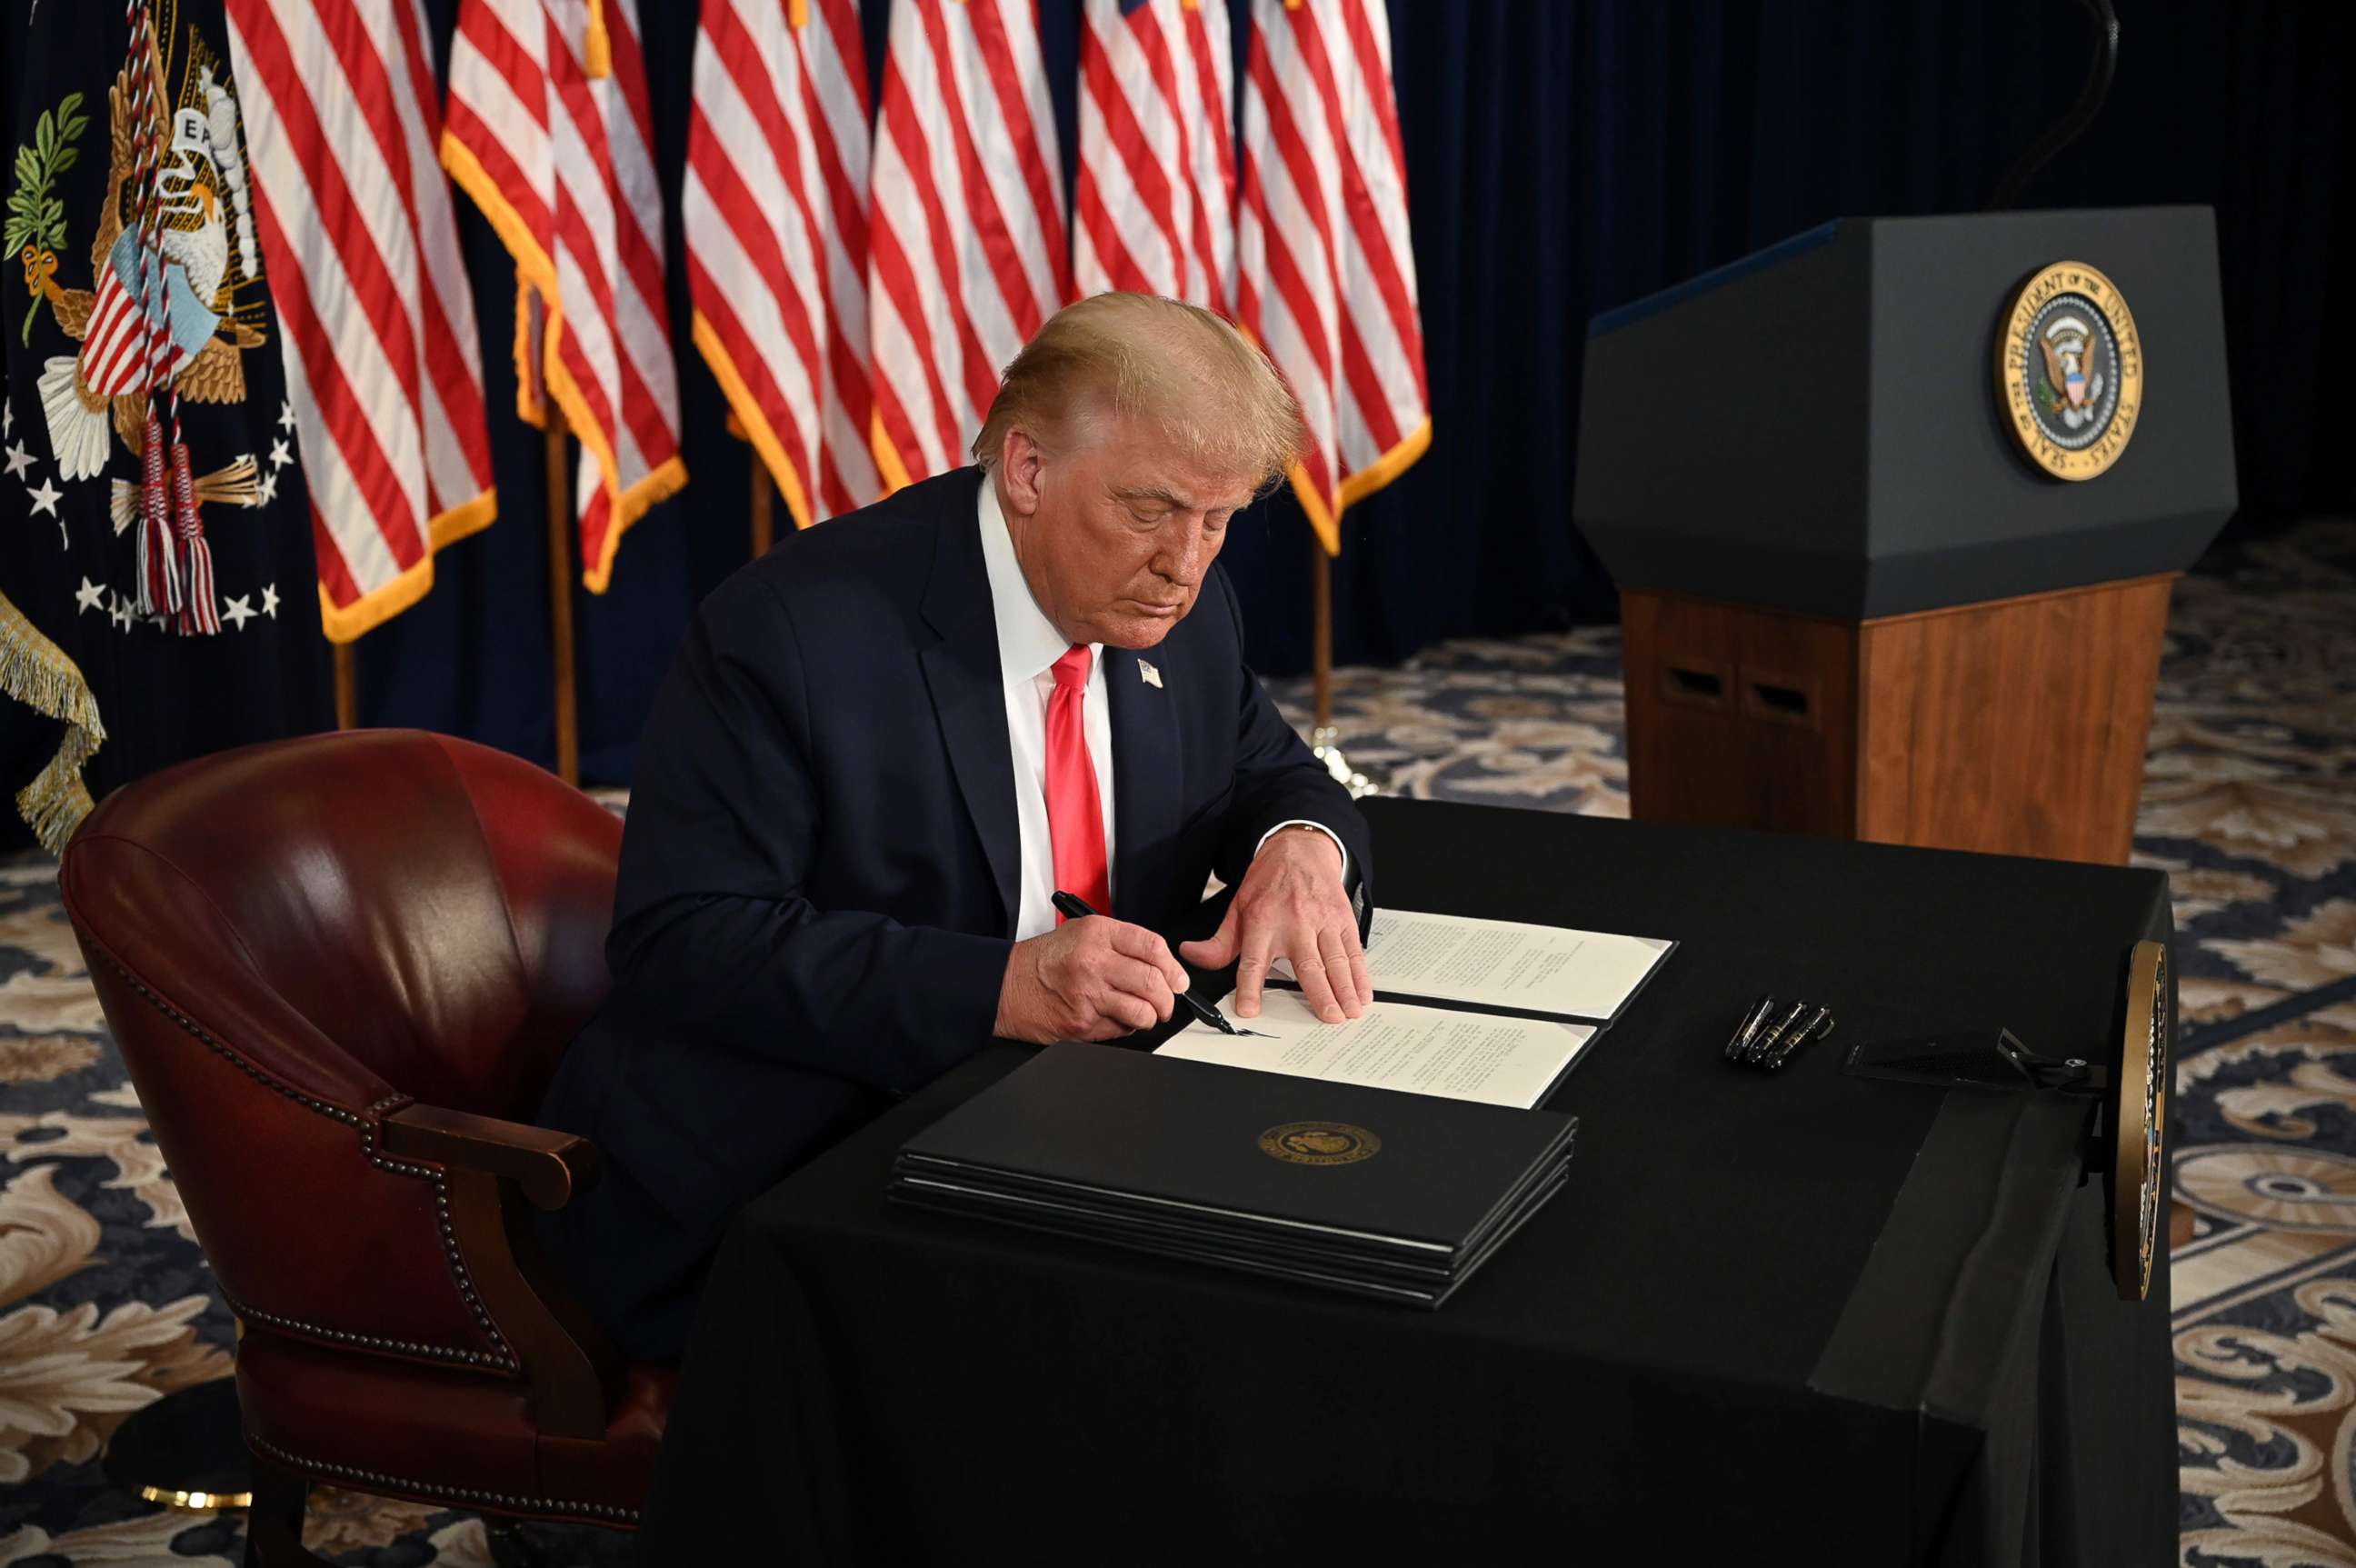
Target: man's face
(1114, 533)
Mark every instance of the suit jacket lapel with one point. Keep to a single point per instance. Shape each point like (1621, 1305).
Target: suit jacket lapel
(962, 673)
(1146, 783)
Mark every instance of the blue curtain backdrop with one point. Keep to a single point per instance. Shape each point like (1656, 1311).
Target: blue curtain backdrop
(1563, 156)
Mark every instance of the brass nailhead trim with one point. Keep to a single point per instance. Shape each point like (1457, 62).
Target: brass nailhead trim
(374, 1342)
(506, 1359)
(459, 1494)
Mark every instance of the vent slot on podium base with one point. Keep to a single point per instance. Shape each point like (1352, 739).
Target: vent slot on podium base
(1694, 683)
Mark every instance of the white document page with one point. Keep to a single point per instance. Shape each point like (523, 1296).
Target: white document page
(1423, 1050)
(1502, 963)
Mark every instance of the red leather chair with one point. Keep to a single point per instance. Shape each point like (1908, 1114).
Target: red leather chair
(341, 970)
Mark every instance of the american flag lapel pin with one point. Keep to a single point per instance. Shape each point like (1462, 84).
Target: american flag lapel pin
(1149, 674)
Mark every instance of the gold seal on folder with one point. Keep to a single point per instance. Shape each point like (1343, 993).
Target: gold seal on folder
(1319, 1143)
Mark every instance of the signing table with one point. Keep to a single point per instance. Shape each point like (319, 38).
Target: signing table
(1847, 1320)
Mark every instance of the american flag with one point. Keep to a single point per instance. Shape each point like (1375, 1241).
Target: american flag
(560, 162)
(384, 382)
(776, 215)
(1155, 205)
(966, 233)
(1326, 276)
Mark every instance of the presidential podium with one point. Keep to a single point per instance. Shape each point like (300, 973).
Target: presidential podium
(1895, 508)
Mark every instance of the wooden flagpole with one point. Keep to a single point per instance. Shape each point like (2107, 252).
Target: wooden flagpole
(1324, 740)
(763, 529)
(1321, 635)
(560, 597)
(347, 687)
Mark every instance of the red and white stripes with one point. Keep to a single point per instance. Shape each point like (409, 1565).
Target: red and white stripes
(967, 234)
(1154, 208)
(775, 209)
(117, 355)
(1326, 277)
(383, 378)
(857, 303)
(561, 161)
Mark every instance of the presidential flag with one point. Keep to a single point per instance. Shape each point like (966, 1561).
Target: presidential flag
(1154, 207)
(775, 209)
(966, 234)
(549, 131)
(130, 206)
(1325, 274)
(353, 212)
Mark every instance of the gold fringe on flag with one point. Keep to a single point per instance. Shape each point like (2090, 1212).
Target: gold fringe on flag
(35, 672)
(596, 48)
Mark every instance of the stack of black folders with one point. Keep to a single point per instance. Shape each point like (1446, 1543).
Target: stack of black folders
(1387, 1194)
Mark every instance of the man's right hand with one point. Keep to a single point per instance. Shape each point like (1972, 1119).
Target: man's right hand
(1090, 979)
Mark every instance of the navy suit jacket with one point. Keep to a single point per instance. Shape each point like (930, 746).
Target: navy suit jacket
(819, 874)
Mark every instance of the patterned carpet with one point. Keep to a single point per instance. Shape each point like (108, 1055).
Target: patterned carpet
(2249, 803)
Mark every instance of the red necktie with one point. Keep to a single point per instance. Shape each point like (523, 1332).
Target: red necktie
(1074, 819)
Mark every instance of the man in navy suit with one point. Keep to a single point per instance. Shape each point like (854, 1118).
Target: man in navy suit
(885, 745)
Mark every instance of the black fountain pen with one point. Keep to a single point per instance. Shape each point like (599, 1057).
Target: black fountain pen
(1072, 907)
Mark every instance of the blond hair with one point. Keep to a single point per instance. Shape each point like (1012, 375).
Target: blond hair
(1141, 356)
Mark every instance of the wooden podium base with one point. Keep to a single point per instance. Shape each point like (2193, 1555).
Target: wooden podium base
(2015, 726)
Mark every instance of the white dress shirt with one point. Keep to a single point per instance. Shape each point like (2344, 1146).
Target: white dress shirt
(1028, 647)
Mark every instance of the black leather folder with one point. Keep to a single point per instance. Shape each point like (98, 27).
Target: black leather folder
(1427, 1287)
(1389, 1194)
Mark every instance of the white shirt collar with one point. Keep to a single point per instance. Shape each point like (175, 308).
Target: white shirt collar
(1028, 642)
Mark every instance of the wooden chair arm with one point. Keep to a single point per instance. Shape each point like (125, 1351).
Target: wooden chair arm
(551, 1167)
(493, 1169)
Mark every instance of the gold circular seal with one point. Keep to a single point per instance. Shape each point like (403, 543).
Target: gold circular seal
(2069, 369)
(1319, 1143)
(2139, 1160)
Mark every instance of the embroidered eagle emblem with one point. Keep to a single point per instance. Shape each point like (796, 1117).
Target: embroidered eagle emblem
(204, 240)
(2065, 346)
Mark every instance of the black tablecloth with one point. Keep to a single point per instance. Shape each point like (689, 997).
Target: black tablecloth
(1853, 1321)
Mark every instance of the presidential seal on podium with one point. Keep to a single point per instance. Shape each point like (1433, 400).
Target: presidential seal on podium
(2069, 370)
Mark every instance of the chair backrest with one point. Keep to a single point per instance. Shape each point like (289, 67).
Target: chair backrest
(436, 908)
(291, 941)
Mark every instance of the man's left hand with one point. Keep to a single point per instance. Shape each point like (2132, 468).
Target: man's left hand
(1291, 906)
